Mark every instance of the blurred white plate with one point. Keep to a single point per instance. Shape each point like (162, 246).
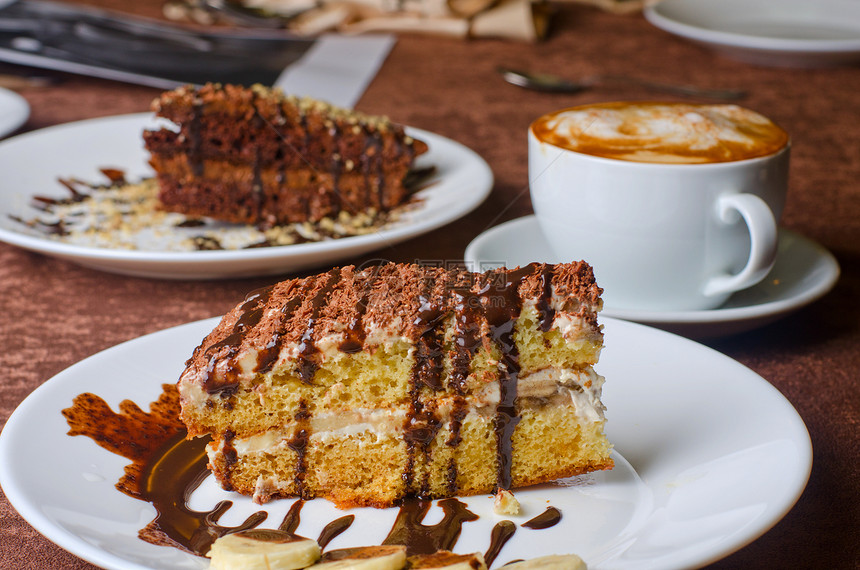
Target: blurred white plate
(700, 472)
(33, 162)
(804, 271)
(14, 111)
(795, 33)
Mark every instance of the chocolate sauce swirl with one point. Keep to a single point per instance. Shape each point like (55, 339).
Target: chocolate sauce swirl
(550, 517)
(166, 468)
(500, 535)
(418, 538)
(293, 517)
(334, 529)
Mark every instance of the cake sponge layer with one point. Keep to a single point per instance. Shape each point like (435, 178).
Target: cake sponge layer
(376, 468)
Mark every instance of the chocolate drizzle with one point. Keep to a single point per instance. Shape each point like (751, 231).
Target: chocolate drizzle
(78, 192)
(293, 517)
(501, 534)
(258, 194)
(494, 300)
(550, 517)
(502, 306)
(334, 529)
(268, 356)
(419, 433)
(374, 157)
(419, 538)
(355, 333)
(194, 128)
(458, 414)
(427, 370)
(250, 313)
(421, 424)
(467, 330)
(544, 303)
(299, 444)
(231, 457)
(307, 348)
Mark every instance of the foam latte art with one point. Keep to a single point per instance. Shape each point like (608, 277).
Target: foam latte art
(662, 132)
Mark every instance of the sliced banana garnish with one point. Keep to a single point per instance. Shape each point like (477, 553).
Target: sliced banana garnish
(263, 549)
(444, 560)
(551, 562)
(363, 558)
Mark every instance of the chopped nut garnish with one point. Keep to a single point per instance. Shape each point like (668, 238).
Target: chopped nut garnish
(127, 216)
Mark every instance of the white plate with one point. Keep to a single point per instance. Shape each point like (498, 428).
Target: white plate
(797, 33)
(32, 163)
(14, 111)
(804, 271)
(708, 457)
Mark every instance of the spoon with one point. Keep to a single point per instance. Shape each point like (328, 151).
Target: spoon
(238, 14)
(555, 84)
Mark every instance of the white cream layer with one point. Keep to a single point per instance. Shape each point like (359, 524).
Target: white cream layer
(580, 390)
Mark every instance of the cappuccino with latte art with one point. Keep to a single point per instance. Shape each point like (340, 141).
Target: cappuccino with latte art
(667, 133)
(674, 205)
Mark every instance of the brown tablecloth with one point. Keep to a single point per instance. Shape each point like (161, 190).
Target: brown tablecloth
(53, 313)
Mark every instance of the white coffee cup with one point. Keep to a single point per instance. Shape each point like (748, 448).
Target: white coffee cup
(662, 233)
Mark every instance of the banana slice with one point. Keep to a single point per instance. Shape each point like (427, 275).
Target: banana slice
(552, 562)
(363, 558)
(263, 549)
(444, 560)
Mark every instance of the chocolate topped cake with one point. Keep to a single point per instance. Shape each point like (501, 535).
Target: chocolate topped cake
(257, 156)
(368, 386)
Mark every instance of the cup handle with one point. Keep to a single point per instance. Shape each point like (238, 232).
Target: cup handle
(763, 242)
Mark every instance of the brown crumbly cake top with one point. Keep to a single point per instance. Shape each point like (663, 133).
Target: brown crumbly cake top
(401, 299)
(243, 102)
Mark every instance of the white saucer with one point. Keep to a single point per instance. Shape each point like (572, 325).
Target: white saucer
(14, 111)
(796, 33)
(804, 271)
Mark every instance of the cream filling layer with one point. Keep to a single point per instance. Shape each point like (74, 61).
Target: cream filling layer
(580, 390)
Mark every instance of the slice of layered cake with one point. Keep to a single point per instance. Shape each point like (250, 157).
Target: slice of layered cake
(257, 156)
(368, 386)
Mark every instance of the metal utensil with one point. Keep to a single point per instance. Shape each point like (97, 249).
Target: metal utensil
(119, 46)
(555, 84)
(240, 15)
